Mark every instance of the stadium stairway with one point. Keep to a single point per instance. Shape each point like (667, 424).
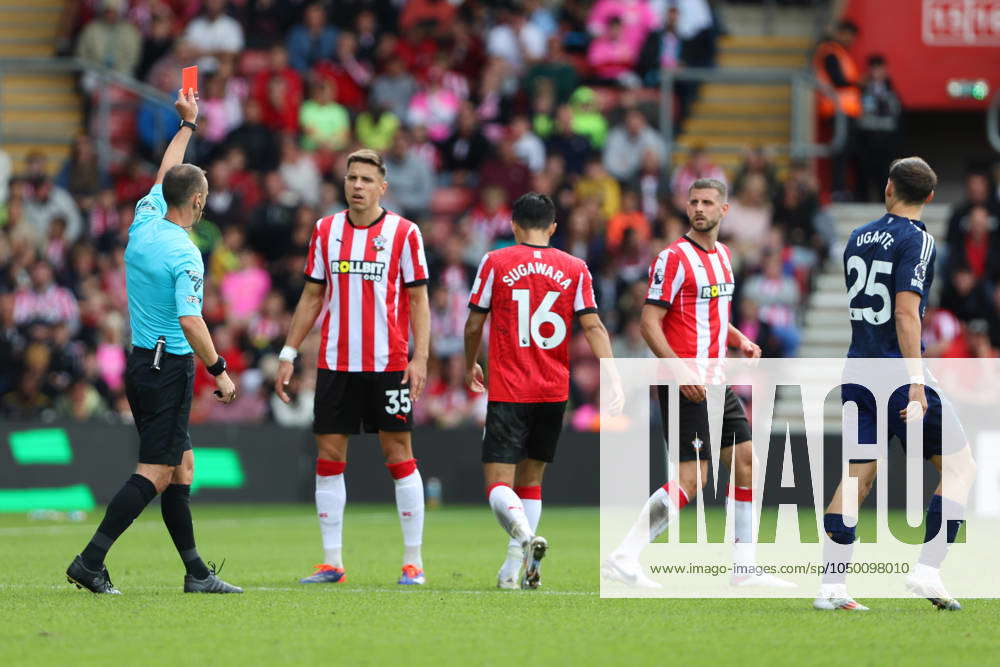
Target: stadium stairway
(826, 331)
(730, 117)
(39, 111)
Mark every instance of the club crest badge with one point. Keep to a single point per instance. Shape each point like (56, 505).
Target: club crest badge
(379, 243)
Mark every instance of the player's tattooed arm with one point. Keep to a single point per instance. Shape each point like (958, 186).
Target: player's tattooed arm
(420, 309)
(187, 108)
(473, 340)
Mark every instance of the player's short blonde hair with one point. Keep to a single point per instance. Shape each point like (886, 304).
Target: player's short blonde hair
(367, 156)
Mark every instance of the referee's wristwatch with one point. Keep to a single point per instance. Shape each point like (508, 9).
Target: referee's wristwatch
(187, 123)
(218, 368)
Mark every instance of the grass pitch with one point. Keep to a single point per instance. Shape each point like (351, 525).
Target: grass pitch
(458, 618)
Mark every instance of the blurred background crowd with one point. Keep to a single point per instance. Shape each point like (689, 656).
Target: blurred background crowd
(473, 104)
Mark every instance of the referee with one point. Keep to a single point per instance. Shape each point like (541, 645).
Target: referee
(164, 277)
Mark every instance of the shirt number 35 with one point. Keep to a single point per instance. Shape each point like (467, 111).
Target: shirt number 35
(397, 400)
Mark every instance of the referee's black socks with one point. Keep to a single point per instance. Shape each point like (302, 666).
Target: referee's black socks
(175, 503)
(127, 504)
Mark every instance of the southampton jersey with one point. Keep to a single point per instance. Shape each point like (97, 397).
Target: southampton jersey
(532, 293)
(366, 271)
(696, 286)
(883, 258)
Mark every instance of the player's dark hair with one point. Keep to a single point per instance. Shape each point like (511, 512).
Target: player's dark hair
(367, 156)
(876, 60)
(181, 182)
(534, 211)
(912, 179)
(710, 183)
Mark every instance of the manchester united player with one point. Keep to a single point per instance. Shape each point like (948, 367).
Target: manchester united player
(367, 265)
(533, 291)
(687, 315)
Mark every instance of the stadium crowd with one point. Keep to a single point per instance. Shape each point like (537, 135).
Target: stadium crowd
(472, 103)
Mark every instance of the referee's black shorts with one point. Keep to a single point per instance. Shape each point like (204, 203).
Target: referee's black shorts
(161, 404)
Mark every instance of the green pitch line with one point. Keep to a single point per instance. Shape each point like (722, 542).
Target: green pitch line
(459, 618)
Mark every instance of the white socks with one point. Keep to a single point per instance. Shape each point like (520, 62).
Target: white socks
(410, 506)
(653, 520)
(509, 511)
(331, 496)
(744, 550)
(531, 500)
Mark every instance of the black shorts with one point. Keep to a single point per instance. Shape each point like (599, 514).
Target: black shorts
(161, 404)
(346, 401)
(518, 431)
(693, 427)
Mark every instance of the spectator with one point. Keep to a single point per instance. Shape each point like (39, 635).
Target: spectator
(220, 108)
(270, 229)
(78, 175)
(464, 152)
(527, 146)
(629, 344)
(44, 301)
(299, 172)
(964, 296)
(325, 124)
(587, 117)
(757, 330)
(214, 34)
(757, 160)
(600, 187)
(573, 148)
(878, 128)
(636, 20)
(256, 140)
(660, 50)
(165, 74)
(158, 40)
(298, 413)
(834, 66)
(110, 41)
(580, 240)
(629, 218)
(613, 58)
(434, 106)
(411, 181)
(437, 13)
(277, 65)
(224, 205)
(313, 41)
(650, 185)
(245, 289)
(393, 88)
(350, 76)
(557, 69)
(281, 107)
(486, 223)
(977, 193)
(748, 221)
(46, 201)
(628, 143)
(368, 34)
(514, 42)
(796, 209)
(376, 127)
(506, 172)
(27, 402)
(263, 22)
(698, 165)
(778, 297)
(978, 250)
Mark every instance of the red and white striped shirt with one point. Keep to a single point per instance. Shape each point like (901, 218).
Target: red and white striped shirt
(696, 286)
(532, 293)
(366, 271)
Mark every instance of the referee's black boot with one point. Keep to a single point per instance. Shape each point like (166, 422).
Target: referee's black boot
(93, 580)
(210, 584)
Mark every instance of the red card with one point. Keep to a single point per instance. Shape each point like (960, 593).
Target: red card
(189, 79)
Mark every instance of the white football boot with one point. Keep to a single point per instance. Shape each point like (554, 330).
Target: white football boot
(925, 581)
(834, 596)
(624, 570)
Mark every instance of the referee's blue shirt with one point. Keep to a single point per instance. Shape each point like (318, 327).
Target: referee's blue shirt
(164, 275)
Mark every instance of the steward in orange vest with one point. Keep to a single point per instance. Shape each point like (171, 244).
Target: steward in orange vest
(834, 66)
